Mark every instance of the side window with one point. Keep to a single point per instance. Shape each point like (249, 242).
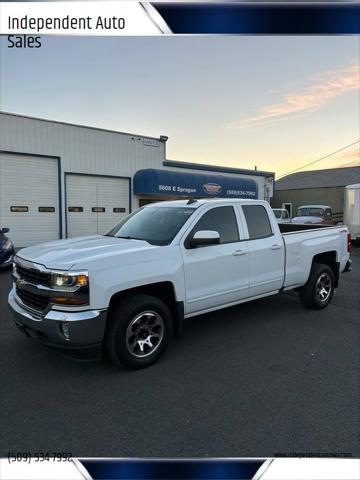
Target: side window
(285, 214)
(328, 212)
(222, 220)
(257, 221)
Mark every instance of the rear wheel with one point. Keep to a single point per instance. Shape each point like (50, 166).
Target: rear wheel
(139, 330)
(319, 289)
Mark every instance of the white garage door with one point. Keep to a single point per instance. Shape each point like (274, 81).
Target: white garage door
(95, 204)
(29, 198)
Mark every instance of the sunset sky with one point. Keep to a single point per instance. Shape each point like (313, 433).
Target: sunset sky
(277, 102)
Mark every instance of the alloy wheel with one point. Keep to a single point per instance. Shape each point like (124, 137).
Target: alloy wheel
(323, 287)
(144, 334)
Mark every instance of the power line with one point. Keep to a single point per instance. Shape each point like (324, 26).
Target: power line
(319, 159)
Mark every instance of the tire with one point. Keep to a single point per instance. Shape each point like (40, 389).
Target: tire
(138, 332)
(319, 289)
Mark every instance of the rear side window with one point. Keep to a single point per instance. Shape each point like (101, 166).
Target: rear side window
(222, 220)
(257, 220)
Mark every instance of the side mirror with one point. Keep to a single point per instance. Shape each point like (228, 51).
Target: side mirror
(5, 230)
(204, 237)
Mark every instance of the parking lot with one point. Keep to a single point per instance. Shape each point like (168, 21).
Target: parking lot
(260, 379)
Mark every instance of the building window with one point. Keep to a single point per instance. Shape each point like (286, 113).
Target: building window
(47, 209)
(119, 210)
(257, 220)
(19, 209)
(98, 209)
(75, 209)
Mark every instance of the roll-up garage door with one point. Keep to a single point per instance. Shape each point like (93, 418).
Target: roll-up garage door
(94, 204)
(29, 198)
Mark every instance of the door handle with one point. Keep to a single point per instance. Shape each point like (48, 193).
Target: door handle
(275, 247)
(239, 252)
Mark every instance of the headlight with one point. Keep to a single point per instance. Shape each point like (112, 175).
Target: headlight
(7, 245)
(69, 280)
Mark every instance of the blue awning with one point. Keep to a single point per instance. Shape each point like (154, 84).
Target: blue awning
(167, 182)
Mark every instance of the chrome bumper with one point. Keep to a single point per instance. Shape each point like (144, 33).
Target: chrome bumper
(84, 329)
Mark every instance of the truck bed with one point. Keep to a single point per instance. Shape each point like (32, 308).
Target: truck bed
(303, 242)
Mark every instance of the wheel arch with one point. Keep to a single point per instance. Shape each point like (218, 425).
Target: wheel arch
(164, 291)
(330, 259)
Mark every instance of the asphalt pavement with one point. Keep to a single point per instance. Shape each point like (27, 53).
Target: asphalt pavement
(260, 379)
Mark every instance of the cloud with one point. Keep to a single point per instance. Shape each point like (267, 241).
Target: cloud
(352, 154)
(351, 157)
(323, 88)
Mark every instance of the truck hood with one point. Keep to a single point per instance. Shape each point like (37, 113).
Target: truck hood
(307, 219)
(65, 254)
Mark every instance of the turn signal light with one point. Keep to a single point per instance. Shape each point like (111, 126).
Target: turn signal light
(68, 301)
(82, 280)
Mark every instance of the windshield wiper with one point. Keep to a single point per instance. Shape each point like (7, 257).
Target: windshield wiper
(128, 237)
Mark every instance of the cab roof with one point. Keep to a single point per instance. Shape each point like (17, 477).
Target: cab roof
(195, 203)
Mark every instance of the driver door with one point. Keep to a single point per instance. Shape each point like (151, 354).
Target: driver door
(216, 275)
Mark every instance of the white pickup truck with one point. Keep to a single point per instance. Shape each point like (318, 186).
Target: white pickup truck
(126, 292)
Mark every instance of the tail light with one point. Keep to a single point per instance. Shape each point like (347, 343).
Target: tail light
(349, 242)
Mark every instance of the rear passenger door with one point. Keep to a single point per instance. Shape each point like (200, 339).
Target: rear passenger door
(216, 275)
(266, 251)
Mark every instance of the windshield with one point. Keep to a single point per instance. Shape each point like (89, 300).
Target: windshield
(310, 212)
(155, 225)
(277, 213)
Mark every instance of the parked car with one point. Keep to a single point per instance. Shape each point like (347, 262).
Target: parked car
(352, 210)
(7, 250)
(281, 215)
(314, 214)
(127, 291)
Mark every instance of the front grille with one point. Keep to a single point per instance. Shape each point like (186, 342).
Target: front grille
(32, 300)
(34, 276)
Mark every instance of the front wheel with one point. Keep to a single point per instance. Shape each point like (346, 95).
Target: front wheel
(319, 289)
(139, 330)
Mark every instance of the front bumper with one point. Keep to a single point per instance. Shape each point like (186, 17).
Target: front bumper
(84, 329)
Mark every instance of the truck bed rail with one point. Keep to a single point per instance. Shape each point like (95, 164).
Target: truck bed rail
(299, 227)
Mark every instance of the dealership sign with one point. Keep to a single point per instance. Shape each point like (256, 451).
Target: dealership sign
(172, 183)
(151, 142)
(212, 188)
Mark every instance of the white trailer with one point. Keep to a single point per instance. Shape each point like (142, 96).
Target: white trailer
(352, 210)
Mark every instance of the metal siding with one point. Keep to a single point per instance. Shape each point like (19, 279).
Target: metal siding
(88, 150)
(81, 149)
(95, 191)
(32, 182)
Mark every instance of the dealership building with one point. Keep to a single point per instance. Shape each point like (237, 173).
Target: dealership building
(60, 180)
